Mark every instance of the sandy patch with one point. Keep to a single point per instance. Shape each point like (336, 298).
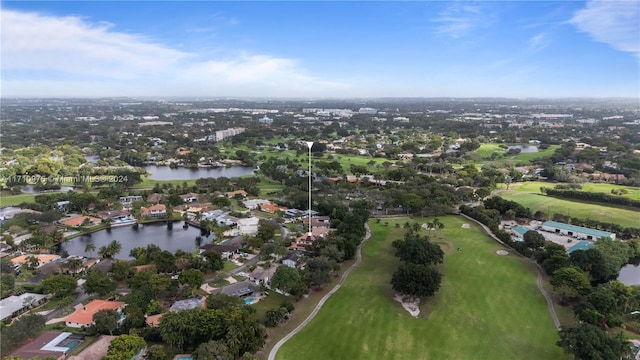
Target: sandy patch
(502, 252)
(466, 226)
(231, 280)
(426, 227)
(409, 303)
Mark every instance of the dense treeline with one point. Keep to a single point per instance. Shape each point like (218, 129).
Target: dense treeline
(591, 196)
(27, 326)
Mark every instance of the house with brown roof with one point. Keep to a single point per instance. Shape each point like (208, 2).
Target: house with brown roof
(271, 208)
(153, 320)
(155, 198)
(81, 221)
(232, 194)
(84, 316)
(51, 344)
(153, 211)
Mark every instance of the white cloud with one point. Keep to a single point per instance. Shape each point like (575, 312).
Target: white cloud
(616, 23)
(69, 56)
(539, 42)
(458, 19)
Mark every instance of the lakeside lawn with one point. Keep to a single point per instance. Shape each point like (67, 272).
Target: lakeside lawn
(487, 308)
(535, 201)
(7, 199)
(486, 150)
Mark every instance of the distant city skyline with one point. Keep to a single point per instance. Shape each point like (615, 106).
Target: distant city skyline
(320, 49)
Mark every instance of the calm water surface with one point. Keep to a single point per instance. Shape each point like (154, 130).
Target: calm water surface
(157, 233)
(167, 173)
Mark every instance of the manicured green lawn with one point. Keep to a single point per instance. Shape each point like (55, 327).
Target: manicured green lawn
(534, 186)
(7, 199)
(228, 266)
(486, 150)
(535, 201)
(487, 308)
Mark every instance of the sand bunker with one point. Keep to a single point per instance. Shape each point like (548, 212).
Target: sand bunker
(466, 226)
(502, 252)
(409, 303)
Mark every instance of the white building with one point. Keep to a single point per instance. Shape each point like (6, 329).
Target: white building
(248, 226)
(577, 232)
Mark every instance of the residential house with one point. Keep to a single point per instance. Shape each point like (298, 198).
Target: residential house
(14, 305)
(63, 206)
(232, 194)
(48, 345)
(248, 226)
(292, 258)
(189, 197)
(42, 259)
(127, 201)
(153, 211)
(226, 251)
(81, 221)
(271, 208)
(240, 289)
(262, 275)
(115, 214)
(155, 198)
(84, 317)
(188, 304)
(253, 204)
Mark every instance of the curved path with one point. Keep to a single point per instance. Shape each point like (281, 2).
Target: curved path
(278, 345)
(544, 292)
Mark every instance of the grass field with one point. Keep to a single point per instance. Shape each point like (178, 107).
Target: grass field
(534, 186)
(486, 150)
(7, 199)
(487, 308)
(529, 196)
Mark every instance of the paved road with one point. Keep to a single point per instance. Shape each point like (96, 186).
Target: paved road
(278, 345)
(544, 292)
(82, 296)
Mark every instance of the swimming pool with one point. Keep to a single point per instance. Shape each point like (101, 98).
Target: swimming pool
(249, 300)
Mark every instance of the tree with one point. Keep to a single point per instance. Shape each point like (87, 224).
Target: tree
(587, 342)
(105, 321)
(223, 302)
(165, 262)
(59, 285)
(7, 282)
(74, 264)
(111, 250)
(192, 277)
(125, 347)
(90, 248)
(157, 352)
(288, 280)
(418, 249)
(533, 239)
(320, 270)
(213, 350)
(417, 280)
(571, 283)
(99, 283)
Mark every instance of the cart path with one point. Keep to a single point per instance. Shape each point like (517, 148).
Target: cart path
(278, 345)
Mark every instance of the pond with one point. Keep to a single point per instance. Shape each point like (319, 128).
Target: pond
(524, 148)
(181, 173)
(156, 233)
(630, 275)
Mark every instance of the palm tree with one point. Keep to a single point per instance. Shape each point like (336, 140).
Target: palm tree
(90, 248)
(114, 247)
(74, 264)
(33, 262)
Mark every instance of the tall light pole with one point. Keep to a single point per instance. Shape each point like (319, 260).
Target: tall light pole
(309, 144)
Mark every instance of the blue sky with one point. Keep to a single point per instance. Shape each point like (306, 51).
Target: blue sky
(321, 49)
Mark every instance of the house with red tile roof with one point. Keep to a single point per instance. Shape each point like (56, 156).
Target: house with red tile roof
(84, 316)
(154, 211)
(271, 208)
(232, 194)
(80, 221)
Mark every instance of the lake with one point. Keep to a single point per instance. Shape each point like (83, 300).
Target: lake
(630, 275)
(181, 173)
(156, 233)
(524, 148)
